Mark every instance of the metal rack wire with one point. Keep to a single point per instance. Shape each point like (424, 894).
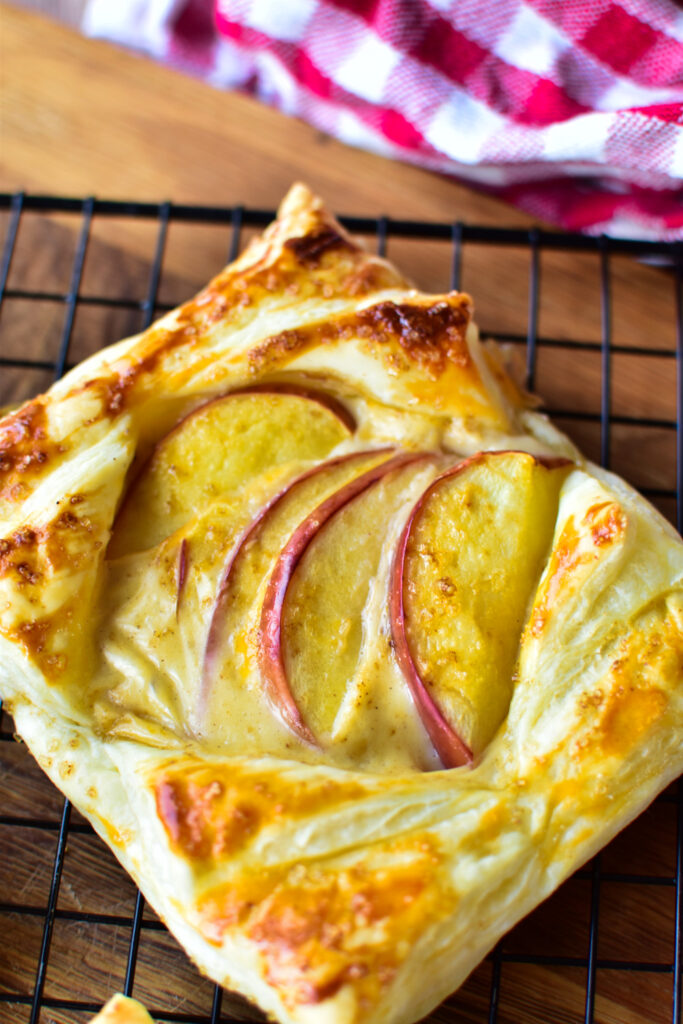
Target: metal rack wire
(34, 1006)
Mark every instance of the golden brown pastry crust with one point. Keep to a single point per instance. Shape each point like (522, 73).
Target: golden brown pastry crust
(323, 893)
(122, 1010)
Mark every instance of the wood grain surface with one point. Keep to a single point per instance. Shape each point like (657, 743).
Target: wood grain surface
(83, 118)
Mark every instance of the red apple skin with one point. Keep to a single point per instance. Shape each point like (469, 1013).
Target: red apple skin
(452, 751)
(271, 662)
(181, 573)
(450, 747)
(327, 401)
(214, 640)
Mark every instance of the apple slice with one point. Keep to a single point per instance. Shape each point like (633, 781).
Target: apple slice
(236, 608)
(323, 613)
(221, 446)
(466, 568)
(271, 662)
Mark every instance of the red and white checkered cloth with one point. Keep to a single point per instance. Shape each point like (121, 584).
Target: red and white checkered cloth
(570, 109)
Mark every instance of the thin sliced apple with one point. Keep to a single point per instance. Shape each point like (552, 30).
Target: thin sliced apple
(271, 662)
(322, 617)
(220, 446)
(465, 571)
(252, 560)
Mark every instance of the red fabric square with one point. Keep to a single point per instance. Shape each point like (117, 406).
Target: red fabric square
(547, 104)
(232, 29)
(449, 51)
(618, 39)
(308, 75)
(672, 112)
(363, 8)
(396, 128)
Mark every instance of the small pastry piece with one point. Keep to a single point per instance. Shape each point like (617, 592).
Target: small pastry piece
(121, 1009)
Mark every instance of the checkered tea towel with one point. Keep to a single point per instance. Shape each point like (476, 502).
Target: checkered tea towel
(570, 109)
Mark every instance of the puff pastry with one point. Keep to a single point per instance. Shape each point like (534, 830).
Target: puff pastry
(345, 651)
(122, 1010)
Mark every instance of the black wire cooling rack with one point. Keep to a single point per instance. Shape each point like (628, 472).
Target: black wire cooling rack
(26, 996)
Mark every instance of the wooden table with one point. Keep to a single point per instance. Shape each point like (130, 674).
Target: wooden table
(82, 118)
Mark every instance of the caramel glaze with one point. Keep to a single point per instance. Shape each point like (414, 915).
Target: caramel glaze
(28, 552)
(429, 336)
(607, 522)
(25, 449)
(310, 249)
(30, 556)
(211, 813)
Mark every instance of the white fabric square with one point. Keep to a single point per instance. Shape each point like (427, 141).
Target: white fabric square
(366, 70)
(461, 127)
(276, 85)
(354, 132)
(675, 27)
(675, 168)
(279, 19)
(531, 43)
(334, 34)
(625, 93)
(443, 6)
(142, 24)
(230, 68)
(580, 138)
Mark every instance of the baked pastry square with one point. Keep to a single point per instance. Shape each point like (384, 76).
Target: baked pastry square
(345, 651)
